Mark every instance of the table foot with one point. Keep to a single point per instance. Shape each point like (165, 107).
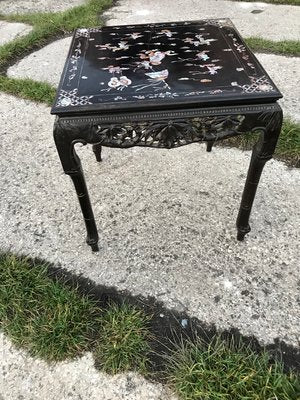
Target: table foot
(209, 146)
(97, 149)
(94, 246)
(242, 233)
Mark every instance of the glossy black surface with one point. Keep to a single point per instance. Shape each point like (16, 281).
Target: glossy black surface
(160, 65)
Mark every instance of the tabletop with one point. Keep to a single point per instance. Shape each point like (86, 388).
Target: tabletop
(163, 65)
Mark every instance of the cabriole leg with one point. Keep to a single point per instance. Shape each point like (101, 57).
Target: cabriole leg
(262, 152)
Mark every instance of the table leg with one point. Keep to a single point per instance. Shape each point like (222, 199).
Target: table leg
(72, 166)
(262, 152)
(86, 208)
(209, 146)
(97, 149)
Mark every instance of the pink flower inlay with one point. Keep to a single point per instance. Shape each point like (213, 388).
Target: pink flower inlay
(124, 81)
(112, 69)
(114, 83)
(119, 84)
(156, 57)
(265, 87)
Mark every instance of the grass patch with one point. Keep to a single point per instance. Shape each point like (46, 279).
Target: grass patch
(124, 341)
(50, 25)
(41, 315)
(288, 146)
(224, 370)
(28, 89)
(289, 2)
(55, 321)
(282, 47)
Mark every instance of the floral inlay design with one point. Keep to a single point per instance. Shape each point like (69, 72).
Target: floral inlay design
(119, 83)
(198, 60)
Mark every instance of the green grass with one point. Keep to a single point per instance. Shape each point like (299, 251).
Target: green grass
(124, 341)
(28, 89)
(54, 321)
(50, 25)
(40, 314)
(283, 47)
(224, 370)
(288, 146)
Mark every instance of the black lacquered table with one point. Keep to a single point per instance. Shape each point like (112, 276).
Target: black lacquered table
(163, 85)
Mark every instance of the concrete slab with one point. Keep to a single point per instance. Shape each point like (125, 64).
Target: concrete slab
(47, 63)
(12, 30)
(285, 71)
(23, 377)
(276, 22)
(29, 6)
(166, 221)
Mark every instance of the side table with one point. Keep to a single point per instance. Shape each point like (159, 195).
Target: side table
(163, 85)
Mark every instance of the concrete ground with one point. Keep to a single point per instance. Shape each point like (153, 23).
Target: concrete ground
(166, 222)
(29, 6)
(166, 219)
(275, 22)
(75, 380)
(12, 30)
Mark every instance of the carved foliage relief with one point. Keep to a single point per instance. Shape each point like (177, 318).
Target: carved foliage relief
(168, 133)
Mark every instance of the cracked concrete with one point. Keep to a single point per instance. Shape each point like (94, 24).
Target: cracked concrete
(285, 71)
(30, 6)
(166, 221)
(12, 30)
(269, 21)
(44, 65)
(23, 378)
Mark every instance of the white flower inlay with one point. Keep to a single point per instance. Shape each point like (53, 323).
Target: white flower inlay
(124, 81)
(159, 75)
(119, 84)
(65, 102)
(265, 87)
(114, 82)
(166, 32)
(82, 31)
